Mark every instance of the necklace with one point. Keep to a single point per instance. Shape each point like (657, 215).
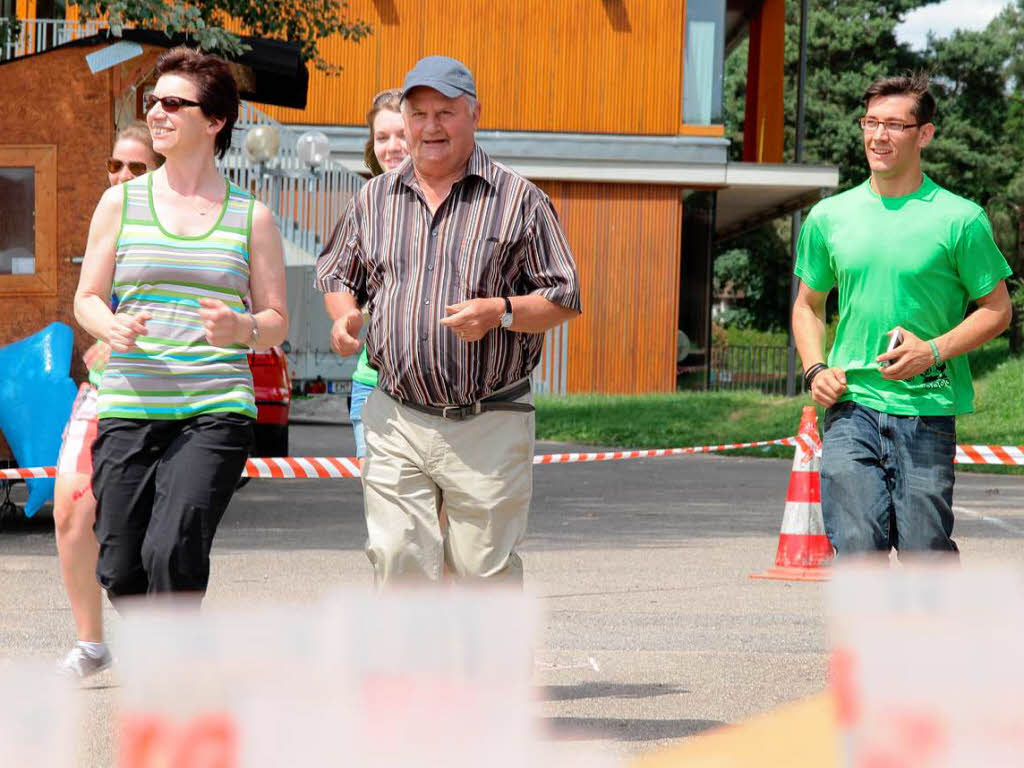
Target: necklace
(201, 211)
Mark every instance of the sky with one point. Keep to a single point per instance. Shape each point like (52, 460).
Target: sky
(942, 18)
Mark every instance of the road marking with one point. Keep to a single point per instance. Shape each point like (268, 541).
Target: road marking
(590, 663)
(989, 519)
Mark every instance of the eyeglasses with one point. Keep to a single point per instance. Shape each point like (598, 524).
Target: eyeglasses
(895, 127)
(135, 168)
(167, 103)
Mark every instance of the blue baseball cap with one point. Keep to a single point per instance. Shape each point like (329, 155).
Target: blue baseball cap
(443, 74)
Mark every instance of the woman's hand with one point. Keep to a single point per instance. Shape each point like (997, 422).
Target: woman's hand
(125, 329)
(224, 326)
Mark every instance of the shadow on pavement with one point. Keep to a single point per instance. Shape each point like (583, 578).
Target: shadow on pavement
(587, 728)
(599, 689)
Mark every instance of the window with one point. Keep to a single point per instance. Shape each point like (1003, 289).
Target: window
(28, 220)
(17, 221)
(703, 62)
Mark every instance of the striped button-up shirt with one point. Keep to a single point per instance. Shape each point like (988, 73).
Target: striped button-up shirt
(495, 235)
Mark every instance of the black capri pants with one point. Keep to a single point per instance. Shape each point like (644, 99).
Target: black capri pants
(161, 489)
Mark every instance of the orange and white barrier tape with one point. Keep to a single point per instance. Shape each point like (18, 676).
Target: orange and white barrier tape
(1012, 455)
(328, 467)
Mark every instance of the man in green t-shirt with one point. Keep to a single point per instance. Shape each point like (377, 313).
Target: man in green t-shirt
(907, 257)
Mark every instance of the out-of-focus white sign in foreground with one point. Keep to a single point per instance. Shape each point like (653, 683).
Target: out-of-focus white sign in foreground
(928, 667)
(37, 716)
(424, 678)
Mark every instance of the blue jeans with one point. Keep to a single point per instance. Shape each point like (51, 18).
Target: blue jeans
(360, 392)
(887, 481)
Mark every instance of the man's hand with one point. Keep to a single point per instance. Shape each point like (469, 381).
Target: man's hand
(828, 386)
(911, 357)
(345, 333)
(222, 324)
(471, 320)
(124, 329)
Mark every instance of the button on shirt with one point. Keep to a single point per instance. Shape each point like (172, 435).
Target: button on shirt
(495, 235)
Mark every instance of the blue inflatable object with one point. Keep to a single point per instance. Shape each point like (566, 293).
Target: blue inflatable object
(36, 394)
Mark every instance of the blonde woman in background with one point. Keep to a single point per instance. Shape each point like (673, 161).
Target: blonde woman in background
(385, 150)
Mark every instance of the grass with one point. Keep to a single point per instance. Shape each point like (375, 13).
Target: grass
(698, 418)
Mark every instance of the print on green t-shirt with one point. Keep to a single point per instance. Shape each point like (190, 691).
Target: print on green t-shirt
(913, 261)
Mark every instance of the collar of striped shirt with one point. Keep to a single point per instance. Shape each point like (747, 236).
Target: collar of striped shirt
(480, 165)
(495, 235)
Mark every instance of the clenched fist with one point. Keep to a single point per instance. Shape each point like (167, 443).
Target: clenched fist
(124, 329)
(224, 327)
(345, 333)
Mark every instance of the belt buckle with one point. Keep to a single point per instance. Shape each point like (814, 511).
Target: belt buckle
(456, 410)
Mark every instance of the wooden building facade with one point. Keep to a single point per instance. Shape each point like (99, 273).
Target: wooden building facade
(613, 107)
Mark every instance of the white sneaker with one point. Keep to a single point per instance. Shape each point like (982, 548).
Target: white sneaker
(80, 664)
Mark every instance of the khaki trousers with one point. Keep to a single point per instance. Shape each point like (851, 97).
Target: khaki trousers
(480, 468)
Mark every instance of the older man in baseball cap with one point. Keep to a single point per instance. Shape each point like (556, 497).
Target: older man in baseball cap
(464, 266)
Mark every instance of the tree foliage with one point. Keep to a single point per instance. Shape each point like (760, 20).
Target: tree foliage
(211, 23)
(742, 268)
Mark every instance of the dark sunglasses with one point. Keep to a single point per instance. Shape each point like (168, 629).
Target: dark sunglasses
(167, 103)
(135, 168)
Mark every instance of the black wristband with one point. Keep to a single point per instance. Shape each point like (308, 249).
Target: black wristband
(811, 372)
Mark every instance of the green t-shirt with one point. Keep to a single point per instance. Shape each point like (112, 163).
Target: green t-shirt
(363, 373)
(911, 261)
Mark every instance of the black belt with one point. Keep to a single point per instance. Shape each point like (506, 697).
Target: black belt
(499, 401)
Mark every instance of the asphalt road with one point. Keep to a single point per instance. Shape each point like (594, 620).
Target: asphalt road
(652, 632)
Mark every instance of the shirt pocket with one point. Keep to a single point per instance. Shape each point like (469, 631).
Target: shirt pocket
(489, 266)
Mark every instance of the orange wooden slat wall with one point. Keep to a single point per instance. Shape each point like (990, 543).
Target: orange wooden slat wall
(596, 66)
(626, 240)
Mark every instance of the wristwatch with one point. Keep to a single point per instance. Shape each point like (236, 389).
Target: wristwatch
(506, 317)
(254, 337)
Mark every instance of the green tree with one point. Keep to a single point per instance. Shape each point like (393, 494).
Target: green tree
(756, 264)
(972, 146)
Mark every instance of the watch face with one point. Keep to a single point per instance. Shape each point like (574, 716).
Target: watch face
(506, 320)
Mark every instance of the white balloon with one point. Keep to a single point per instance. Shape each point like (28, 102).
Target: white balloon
(262, 142)
(313, 148)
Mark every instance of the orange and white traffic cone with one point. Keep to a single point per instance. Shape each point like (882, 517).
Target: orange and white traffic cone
(804, 549)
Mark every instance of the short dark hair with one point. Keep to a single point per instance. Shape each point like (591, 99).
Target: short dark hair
(911, 84)
(216, 86)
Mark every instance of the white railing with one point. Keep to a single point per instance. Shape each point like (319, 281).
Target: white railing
(307, 204)
(37, 35)
(551, 375)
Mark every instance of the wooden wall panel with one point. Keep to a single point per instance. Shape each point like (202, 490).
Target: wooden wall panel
(77, 117)
(626, 241)
(594, 66)
(763, 130)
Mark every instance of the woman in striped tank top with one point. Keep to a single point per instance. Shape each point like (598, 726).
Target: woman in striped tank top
(182, 248)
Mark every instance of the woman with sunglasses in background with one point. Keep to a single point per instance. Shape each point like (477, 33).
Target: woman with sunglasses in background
(74, 506)
(184, 247)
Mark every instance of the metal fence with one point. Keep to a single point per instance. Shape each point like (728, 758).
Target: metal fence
(551, 375)
(751, 367)
(37, 35)
(307, 204)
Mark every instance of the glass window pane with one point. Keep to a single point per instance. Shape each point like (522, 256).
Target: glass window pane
(700, 72)
(17, 221)
(703, 62)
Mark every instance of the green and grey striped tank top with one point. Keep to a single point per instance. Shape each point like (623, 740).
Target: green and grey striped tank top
(174, 373)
